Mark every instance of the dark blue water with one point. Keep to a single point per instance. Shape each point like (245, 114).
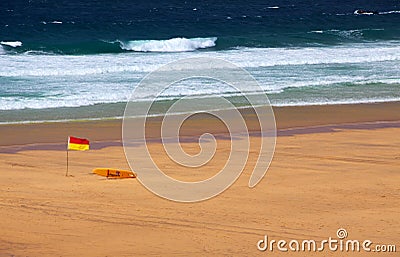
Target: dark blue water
(88, 27)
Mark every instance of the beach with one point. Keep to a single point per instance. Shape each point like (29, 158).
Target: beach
(335, 166)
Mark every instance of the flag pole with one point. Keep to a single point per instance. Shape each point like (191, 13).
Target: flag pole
(66, 174)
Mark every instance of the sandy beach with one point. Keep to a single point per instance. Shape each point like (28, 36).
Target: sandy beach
(335, 166)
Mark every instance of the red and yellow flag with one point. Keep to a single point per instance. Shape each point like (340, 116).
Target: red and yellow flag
(78, 144)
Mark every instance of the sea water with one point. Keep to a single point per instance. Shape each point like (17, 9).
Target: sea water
(66, 60)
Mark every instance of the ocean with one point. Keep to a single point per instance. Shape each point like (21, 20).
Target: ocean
(71, 60)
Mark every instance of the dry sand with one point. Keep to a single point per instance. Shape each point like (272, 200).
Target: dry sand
(325, 175)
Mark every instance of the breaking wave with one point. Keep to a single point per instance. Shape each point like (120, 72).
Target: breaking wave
(11, 43)
(169, 45)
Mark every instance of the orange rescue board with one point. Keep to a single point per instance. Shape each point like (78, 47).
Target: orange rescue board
(114, 173)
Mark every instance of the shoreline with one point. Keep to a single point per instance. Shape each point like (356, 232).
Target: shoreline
(120, 117)
(290, 120)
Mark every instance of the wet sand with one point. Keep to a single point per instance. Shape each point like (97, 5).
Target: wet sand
(334, 167)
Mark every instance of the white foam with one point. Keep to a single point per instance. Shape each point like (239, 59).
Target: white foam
(273, 7)
(37, 65)
(46, 81)
(336, 102)
(352, 33)
(170, 45)
(11, 43)
(360, 12)
(56, 22)
(390, 12)
(350, 53)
